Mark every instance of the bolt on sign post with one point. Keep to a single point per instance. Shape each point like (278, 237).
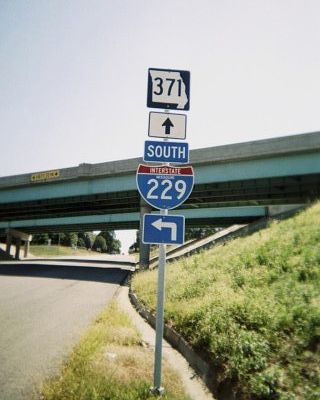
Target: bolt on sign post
(165, 186)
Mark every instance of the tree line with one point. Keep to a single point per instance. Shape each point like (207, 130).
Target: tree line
(104, 242)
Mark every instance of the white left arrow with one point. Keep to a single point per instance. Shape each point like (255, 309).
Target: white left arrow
(159, 224)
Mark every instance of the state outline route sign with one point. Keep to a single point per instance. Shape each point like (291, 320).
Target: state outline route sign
(167, 126)
(163, 229)
(168, 88)
(163, 186)
(171, 152)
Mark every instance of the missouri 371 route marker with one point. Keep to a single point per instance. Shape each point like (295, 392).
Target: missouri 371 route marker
(168, 89)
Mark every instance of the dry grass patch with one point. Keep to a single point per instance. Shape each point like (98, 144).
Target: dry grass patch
(126, 364)
(131, 364)
(110, 363)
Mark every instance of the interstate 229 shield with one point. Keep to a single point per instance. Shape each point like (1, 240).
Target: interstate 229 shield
(165, 187)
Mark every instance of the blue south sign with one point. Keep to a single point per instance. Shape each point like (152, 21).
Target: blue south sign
(163, 186)
(172, 152)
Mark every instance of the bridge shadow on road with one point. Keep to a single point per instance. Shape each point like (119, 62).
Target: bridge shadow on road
(63, 271)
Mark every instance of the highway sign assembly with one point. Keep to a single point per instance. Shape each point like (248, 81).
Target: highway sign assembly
(163, 186)
(167, 126)
(168, 89)
(163, 229)
(173, 152)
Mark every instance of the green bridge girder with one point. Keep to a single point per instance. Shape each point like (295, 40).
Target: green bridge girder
(233, 183)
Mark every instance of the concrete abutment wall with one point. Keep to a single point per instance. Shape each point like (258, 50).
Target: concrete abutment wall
(19, 238)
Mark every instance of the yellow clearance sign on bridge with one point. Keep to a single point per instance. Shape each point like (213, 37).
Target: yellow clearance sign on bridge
(45, 176)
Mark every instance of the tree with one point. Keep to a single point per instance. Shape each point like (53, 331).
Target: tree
(81, 243)
(88, 239)
(40, 238)
(61, 238)
(73, 239)
(113, 245)
(100, 244)
(116, 247)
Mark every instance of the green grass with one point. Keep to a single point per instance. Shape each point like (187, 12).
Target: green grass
(56, 251)
(110, 363)
(253, 305)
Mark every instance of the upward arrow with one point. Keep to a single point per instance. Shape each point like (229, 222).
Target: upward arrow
(168, 125)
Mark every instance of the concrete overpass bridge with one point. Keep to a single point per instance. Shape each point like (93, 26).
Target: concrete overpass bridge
(233, 184)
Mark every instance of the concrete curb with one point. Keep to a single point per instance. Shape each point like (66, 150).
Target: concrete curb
(192, 384)
(202, 367)
(83, 261)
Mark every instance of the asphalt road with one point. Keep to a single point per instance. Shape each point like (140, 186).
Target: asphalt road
(43, 311)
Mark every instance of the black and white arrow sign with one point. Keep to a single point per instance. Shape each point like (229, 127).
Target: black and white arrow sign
(170, 126)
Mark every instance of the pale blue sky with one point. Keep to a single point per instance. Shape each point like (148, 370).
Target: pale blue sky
(73, 74)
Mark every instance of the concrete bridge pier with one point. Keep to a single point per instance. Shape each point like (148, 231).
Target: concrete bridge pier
(144, 256)
(18, 245)
(26, 248)
(8, 244)
(19, 237)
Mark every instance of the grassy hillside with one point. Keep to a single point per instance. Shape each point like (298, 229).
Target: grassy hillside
(253, 305)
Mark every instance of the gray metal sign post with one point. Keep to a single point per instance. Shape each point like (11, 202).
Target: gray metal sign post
(157, 388)
(165, 187)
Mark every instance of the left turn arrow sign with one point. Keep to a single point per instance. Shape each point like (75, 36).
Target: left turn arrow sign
(163, 229)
